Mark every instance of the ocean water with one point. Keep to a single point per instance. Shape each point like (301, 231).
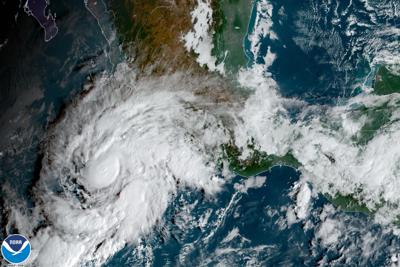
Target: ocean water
(40, 79)
(250, 228)
(322, 58)
(253, 216)
(243, 224)
(324, 49)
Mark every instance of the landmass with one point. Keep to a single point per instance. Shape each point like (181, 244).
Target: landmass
(157, 28)
(151, 33)
(376, 118)
(257, 162)
(348, 203)
(387, 80)
(37, 9)
(231, 18)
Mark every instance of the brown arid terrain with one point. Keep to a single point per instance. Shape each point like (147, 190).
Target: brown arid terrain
(151, 32)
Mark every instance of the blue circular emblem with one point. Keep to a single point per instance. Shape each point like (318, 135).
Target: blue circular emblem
(16, 249)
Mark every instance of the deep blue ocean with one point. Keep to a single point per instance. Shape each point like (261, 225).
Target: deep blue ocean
(319, 74)
(309, 68)
(49, 75)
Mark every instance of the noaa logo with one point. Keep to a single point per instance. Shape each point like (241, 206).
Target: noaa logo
(16, 249)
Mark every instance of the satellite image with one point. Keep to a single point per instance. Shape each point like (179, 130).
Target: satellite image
(200, 133)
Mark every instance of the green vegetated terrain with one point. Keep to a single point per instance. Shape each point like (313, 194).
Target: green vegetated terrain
(386, 81)
(257, 162)
(376, 118)
(348, 203)
(231, 18)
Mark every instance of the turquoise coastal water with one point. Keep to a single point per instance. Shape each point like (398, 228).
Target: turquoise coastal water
(250, 227)
(246, 223)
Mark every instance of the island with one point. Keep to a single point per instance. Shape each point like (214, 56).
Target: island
(37, 9)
